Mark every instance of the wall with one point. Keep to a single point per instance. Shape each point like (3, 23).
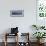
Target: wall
(23, 23)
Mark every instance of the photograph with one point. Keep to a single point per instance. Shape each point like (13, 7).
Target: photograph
(17, 13)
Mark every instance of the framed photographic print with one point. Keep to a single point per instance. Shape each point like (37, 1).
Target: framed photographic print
(41, 8)
(41, 12)
(17, 13)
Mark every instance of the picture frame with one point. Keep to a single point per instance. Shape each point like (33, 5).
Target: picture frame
(17, 13)
(41, 8)
(41, 12)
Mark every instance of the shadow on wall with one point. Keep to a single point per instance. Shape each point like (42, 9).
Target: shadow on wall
(7, 31)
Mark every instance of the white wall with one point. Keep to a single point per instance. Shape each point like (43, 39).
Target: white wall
(23, 23)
